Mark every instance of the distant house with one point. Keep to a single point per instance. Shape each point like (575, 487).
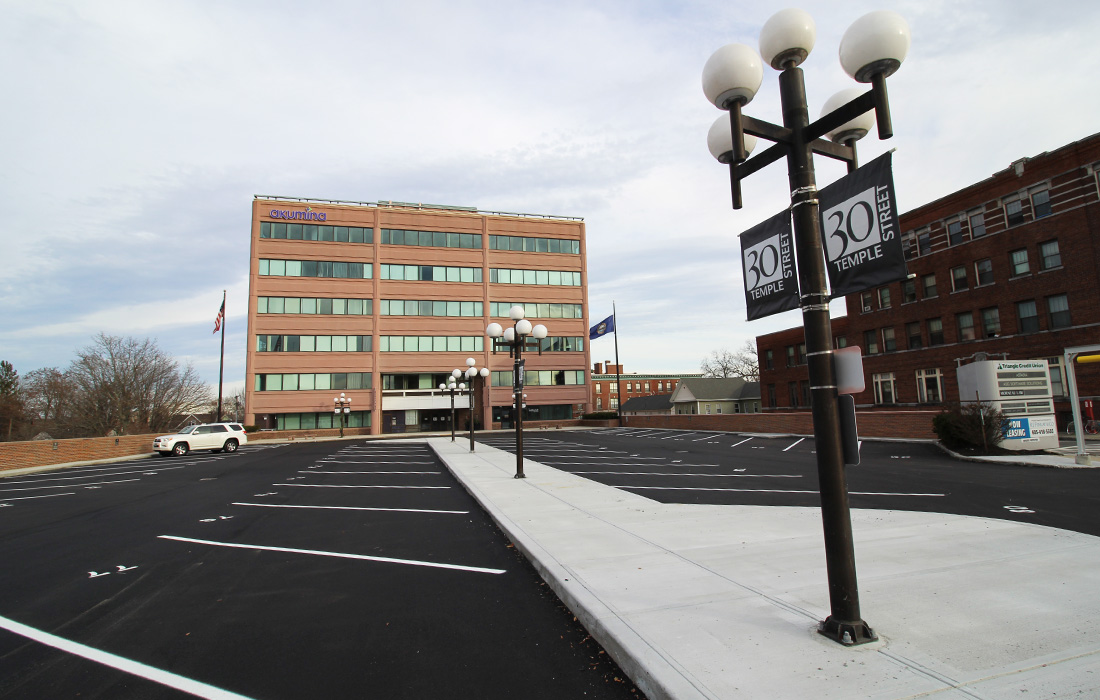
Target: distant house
(656, 405)
(715, 396)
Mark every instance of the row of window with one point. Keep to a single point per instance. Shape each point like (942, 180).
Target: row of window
(413, 307)
(429, 273)
(435, 239)
(534, 245)
(391, 382)
(557, 278)
(316, 268)
(313, 343)
(500, 309)
(542, 377)
(613, 387)
(311, 421)
(313, 305)
(431, 343)
(972, 224)
(312, 232)
(312, 382)
(1050, 257)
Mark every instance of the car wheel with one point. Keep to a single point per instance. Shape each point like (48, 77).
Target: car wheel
(180, 449)
(230, 445)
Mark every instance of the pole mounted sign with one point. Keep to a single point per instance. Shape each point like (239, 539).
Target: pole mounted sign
(767, 261)
(859, 214)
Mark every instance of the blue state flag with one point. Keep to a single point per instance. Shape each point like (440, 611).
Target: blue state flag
(602, 328)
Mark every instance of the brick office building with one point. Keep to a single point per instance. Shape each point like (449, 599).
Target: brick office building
(605, 392)
(1009, 266)
(380, 301)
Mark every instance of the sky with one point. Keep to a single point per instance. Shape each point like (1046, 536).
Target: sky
(135, 134)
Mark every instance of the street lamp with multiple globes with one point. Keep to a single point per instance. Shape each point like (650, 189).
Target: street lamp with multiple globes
(452, 385)
(342, 408)
(473, 374)
(522, 335)
(871, 50)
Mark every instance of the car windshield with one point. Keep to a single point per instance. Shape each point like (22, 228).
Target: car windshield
(187, 430)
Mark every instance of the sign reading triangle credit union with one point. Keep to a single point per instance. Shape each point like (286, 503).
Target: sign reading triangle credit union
(767, 260)
(859, 224)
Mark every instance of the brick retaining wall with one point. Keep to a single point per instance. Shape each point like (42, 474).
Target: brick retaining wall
(886, 424)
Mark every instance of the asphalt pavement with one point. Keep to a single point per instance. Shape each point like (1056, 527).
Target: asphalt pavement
(697, 600)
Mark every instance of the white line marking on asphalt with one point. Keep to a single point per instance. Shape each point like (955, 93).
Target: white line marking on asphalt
(693, 488)
(90, 476)
(388, 510)
(135, 668)
(705, 437)
(368, 461)
(744, 476)
(342, 486)
(365, 473)
(27, 498)
(69, 486)
(793, 444)
(741, 443)
(339, 555)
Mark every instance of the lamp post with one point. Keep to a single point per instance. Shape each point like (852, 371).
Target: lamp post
(522, 335)
(342, 407)
(870, 51)
(472, 376)
(452, 385)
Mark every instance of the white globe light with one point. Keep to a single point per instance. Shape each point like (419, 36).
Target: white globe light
(462, 387)
(493, 330)
(471, 372)
(443, 387)
(720, 140)
(733, 73)
(509, 335)
(470, 362)
(523, 327)
(456, 373)
(877, 42)
(787, 36)
(484, 372)
(539, 331)
(516, 312)
(854, 129)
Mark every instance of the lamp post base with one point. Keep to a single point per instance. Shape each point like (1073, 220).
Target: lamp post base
(847, 633)
(519, 476)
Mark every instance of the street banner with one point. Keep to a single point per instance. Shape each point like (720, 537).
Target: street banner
(767, 260)
(859, 222)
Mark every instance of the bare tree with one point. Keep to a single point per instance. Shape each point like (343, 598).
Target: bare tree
(740, 363)
(49, 399)
(130, 385)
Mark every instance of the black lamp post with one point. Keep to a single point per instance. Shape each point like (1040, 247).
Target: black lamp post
(521, 336)
(453, 386)
(342, 408)
(871, 50)
(473, 374)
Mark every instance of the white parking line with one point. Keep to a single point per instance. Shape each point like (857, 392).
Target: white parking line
(741, 443)
(367, 461)
(27, 498)
(341, 486)
(743, 476)
(850, 493)
(390, 510)
(705, 437)
(136, 668)
(69, 486)
(90, 476)
(793, 444)
(314, 471)
(339, 555)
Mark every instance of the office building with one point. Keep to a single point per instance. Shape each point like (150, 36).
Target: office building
(605, 387)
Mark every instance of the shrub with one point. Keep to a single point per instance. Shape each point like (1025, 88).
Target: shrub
(251, 428)
(600, 415)
(971, 425)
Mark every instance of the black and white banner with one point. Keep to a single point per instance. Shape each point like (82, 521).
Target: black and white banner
(767, 259)
(859, 220)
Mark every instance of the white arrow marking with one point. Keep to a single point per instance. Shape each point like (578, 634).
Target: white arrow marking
(122, 568)
(94, 574)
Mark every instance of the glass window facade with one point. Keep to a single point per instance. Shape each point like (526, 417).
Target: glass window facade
(314, 305)
(535, 245)
(499, 309)
(429, 273)
(319, 232)
(415, 307)
(554, 278)
(315, 268)
(435, 239)
(312, 382)
(431, 343)
(313, 343)
(543, 377)
(313, 421)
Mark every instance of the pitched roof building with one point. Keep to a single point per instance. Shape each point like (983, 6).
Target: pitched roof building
(716, 395)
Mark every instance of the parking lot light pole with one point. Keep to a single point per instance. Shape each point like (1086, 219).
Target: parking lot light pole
(452, 386)
(473, 374)
(870, 51)
(520, 336)
(342, 407)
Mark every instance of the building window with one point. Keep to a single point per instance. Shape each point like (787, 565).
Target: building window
(792, 393)
(771, 396)
(889, 344)
(429, 307)
(991, 322)
(1058, 306)
(884, 298)
(718, 408)
(628, 387)
(840, 341)
(977, 223)
(801, 353)
(908, 291)
(1014, 210)
(1027, 317)
(769, 363)
(965, 323)
(1049, 255)
(660, 387)
(706, 407)
(924, 242)
(599, 403)
(430, 273)
(1019, 261)
(1040, 203)
(885, 389)
(613, 405)
(614, 387)
(316, 268)
(439, 239)
(790, 356)
(983, 270)
(958, 279)
(865, 301)
(1057, 382)
(929, 386)
(954, 232)
(529, 245)
(928, 283)
(870, 341)
(597, 385)
(556, 278)
(935, 331)
(912, 331)
(805, 386)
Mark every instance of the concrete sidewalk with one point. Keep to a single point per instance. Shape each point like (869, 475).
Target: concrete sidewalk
(700, 601)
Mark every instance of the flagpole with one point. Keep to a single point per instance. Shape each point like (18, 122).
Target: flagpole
(221, 363)
(618, 367)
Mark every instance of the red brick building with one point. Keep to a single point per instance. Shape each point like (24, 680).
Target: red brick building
(605, 391)
(1008, 267)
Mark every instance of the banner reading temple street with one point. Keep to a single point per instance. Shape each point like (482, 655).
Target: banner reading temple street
(767, 259)
(859, 223)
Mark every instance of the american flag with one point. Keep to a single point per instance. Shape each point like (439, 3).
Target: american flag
(220, 318)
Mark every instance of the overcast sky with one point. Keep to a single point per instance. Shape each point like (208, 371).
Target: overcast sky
(134, 135)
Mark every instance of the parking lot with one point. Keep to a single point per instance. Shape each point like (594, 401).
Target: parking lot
(337, 569)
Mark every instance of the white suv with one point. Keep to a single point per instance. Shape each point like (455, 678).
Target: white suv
(207, 436)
